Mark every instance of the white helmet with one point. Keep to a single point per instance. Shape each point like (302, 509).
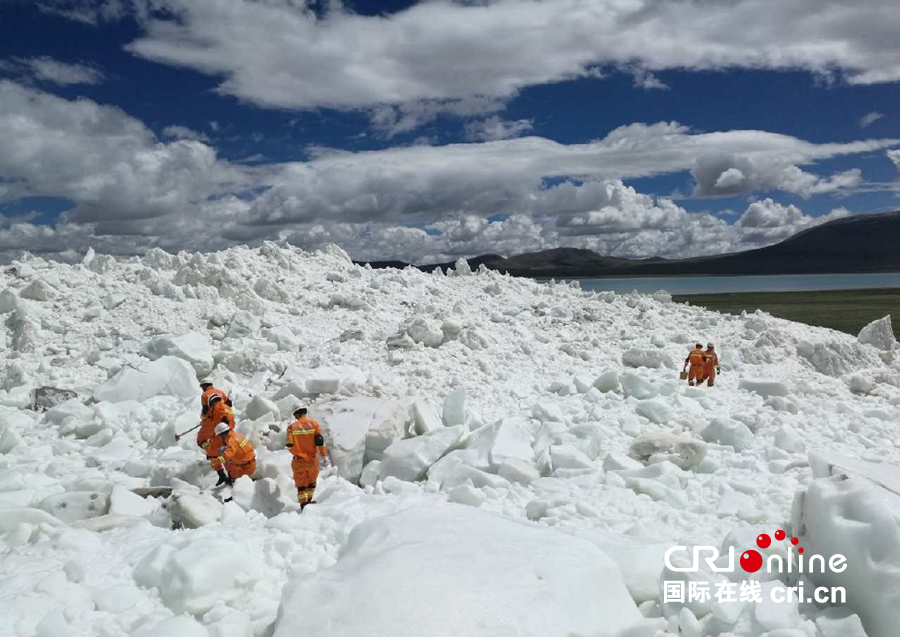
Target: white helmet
(206, 381)
(299, 406)
(222, 428)
(710, 346)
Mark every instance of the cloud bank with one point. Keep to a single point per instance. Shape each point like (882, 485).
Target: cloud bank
(282, 54)
(132, 190)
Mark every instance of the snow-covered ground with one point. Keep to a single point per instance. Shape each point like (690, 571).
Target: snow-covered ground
(526, 452)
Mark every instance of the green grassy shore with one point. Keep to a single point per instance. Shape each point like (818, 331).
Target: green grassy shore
(845, 310)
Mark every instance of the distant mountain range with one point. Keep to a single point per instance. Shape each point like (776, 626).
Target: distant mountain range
(862, 243)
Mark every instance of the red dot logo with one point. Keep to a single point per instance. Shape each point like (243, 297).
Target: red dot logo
(763, 541)
(795, 541)
(779, 535)
(800, 550)
(751, 561)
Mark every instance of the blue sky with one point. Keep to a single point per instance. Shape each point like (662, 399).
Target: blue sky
(429, 131)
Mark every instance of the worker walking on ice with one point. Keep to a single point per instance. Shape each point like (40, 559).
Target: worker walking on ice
(304, 439)
(710, 365)
(217, 413)
(696, 359)
(236, 454)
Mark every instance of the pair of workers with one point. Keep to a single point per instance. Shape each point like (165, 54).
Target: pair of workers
(232, 456)
(216, 425)
(704, 365)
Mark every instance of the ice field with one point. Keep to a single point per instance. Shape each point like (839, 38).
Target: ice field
(512, 458)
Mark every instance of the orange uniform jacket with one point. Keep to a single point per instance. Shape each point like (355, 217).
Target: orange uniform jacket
(304, 439)
(212, 391)
(220, 412)
(237, 456)
(696, 358)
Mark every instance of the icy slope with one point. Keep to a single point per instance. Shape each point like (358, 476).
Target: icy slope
(534, 402)
(470, 577)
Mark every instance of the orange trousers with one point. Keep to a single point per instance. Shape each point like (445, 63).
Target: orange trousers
(695, 373)
(709, 375)
(237, 471)
(306, 473)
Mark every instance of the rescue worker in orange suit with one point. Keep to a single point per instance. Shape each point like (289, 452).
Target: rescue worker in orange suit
(710, 366)
(236, 454)
(696, 359)
(304, 439)
(217, 413)
(206, 386)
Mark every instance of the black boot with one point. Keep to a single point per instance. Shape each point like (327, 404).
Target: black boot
(223, 477)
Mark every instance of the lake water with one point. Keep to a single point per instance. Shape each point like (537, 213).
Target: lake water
(722, 284)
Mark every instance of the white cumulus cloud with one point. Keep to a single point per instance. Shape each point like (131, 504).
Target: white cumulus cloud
(767, 221)
(281, 54)
(646, 80)
(732, 180)
(726, 174)
(109, 163)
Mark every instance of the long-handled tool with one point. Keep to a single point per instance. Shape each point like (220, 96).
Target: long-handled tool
(183, 433)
